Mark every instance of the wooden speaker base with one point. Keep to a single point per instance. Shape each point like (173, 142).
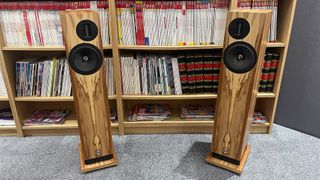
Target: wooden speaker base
(99, 165)
(229, 166)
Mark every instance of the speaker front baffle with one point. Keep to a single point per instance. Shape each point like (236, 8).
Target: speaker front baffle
(81, 32)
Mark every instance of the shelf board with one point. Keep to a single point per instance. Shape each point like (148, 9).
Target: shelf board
(40, 48)
(195, 47)
(175, 125)
(276, 44)
(4, 98)
(69, 123)
(169, 48)
(169, 97)
(4, 128)
(184, 97)
(51, 99)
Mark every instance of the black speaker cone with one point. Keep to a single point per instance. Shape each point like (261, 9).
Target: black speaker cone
(85, 59)
(240, 57)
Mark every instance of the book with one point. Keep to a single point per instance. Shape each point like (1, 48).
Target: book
(170, 74)
(49, 77)
(171, 23)
(6, 118)
(259, 118)
(216, 71)
(149, 112)
(41, 117)
(264, 4)
(273, 72)
(197, 112)
(3, 90)
(265, 72)
(39, 21)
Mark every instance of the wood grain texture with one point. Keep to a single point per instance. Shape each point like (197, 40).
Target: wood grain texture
(237, 92)
(90, 93)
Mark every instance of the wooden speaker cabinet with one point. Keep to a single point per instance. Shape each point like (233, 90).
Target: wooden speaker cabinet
(244, 48)
(81, 32)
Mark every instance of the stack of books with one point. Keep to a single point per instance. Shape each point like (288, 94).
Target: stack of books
(37, 23)
(163, 23)
(3, 90)
(50, 77)
(149, 112)
(269, 72)
(264, 4)
(197, 112)
(165, 74)
(6, 118)
(41, 117)
(259, 118)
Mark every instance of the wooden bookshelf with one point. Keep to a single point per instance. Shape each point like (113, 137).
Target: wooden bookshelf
(23, 106)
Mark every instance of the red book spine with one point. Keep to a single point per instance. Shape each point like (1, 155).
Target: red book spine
(26, 23)
(139, 24)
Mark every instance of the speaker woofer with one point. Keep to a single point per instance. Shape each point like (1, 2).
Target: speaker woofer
(85, 59)
(240, 57)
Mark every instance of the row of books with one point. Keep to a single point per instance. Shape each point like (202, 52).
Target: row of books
(264, 4)
(3, 90)
(165, 74)
(6, 118)
(37, 23)
(269, 72)
(161, 112)
(43, 77)
(50, 77)
(162, 23)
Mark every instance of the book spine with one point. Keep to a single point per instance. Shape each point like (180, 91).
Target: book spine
(207, 73)
(191, 75)
(265, 72)
(183, 74)
(216, 72)
(198, 71)
(273, 72)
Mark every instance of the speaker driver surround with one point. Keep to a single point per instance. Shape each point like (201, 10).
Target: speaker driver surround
(85, 59)
(240, 57)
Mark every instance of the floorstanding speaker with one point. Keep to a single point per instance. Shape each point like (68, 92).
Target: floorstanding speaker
(244, 47)
(81, 32)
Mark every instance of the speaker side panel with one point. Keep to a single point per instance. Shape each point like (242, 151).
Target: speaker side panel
(237, 92)
(89, 91)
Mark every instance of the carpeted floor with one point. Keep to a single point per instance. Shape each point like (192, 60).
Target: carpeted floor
(286, 154)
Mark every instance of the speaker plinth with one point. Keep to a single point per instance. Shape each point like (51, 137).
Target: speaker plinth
(240, 57)
(85, 59)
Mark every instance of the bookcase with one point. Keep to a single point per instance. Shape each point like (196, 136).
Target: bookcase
(22, 106)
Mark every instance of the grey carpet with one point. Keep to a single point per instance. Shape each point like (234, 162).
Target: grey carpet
(286, 154)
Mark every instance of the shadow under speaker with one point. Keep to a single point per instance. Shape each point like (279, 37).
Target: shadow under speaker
(81, 32)
(244, 48)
